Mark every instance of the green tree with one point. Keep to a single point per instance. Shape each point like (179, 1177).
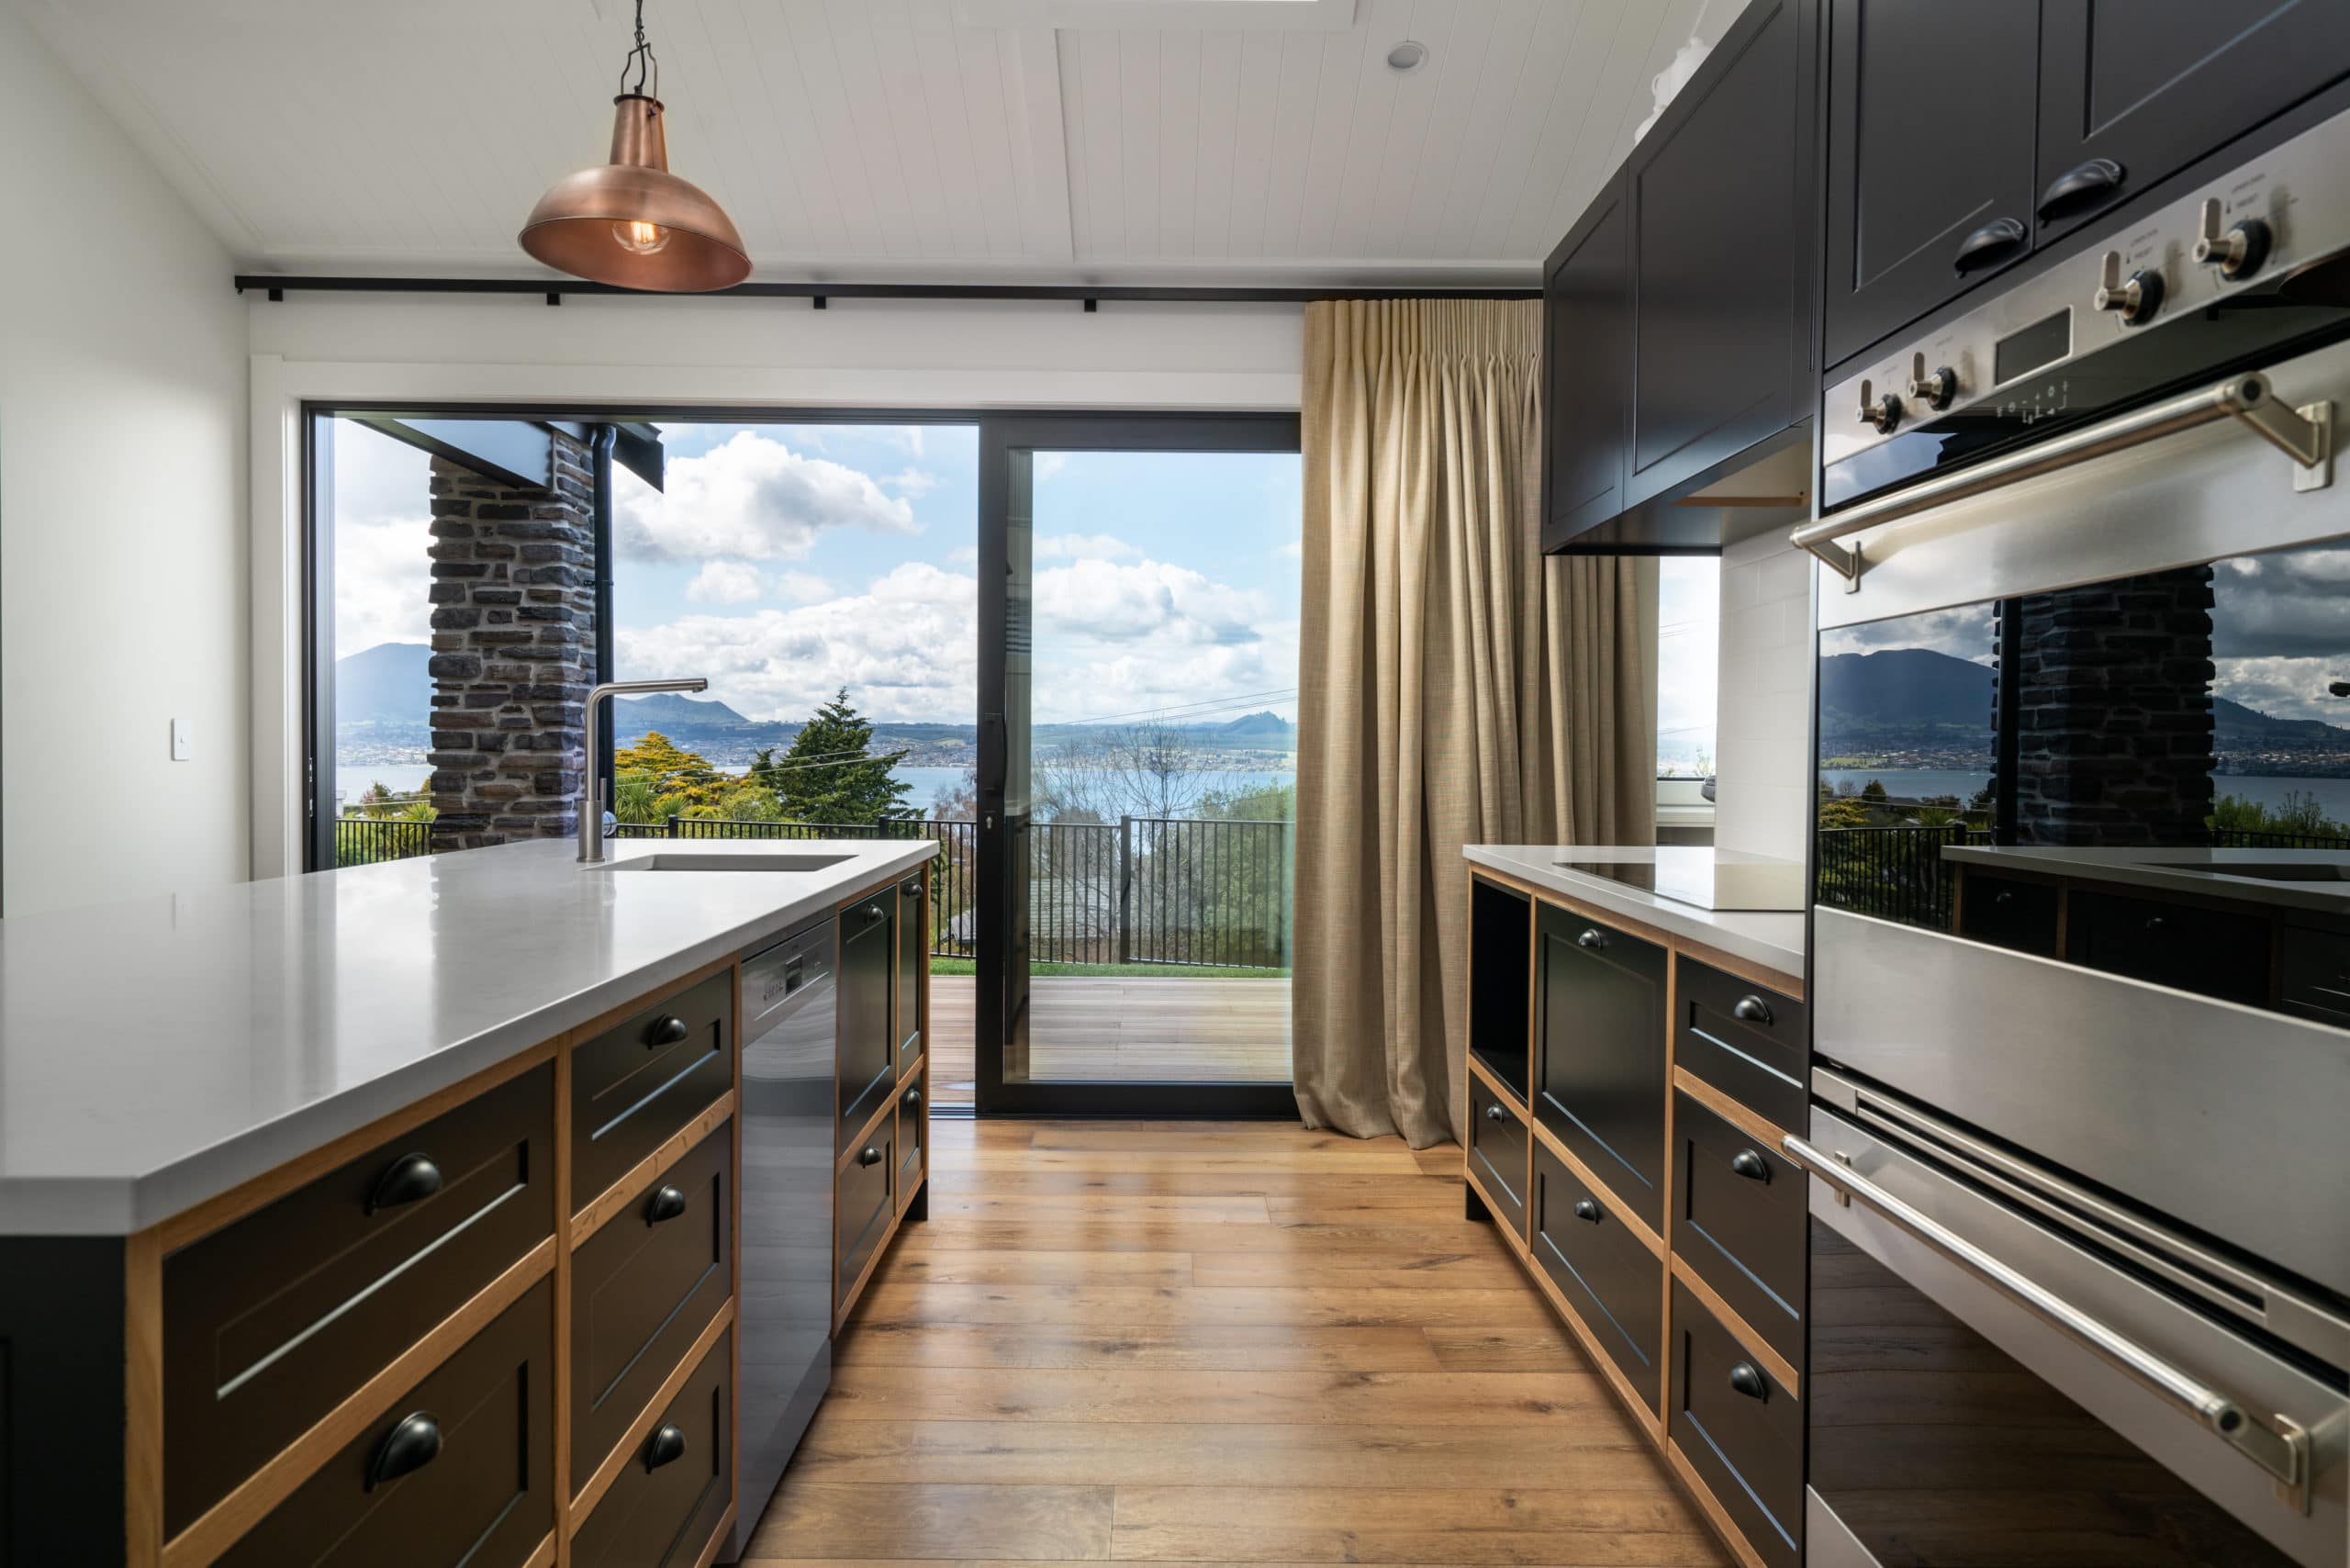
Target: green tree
(1873, 791)
(828, 776)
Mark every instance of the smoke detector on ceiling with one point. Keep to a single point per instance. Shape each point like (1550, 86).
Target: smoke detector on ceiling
(1409, 55)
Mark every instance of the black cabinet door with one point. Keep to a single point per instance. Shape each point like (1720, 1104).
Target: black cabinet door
(1587, 369)
(1601, 1072)
(868, 1056)
(2134, 90)
(1724, 235)
(1931, 179)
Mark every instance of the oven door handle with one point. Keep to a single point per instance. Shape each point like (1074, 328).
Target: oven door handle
(2285, 1456)
(2304, 434)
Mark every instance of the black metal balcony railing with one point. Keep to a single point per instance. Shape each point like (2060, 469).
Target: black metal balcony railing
(362, 841)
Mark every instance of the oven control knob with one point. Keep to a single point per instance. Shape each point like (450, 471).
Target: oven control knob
(2134, 299)
(1934, 388)
(1882, 415)
(2238, 252)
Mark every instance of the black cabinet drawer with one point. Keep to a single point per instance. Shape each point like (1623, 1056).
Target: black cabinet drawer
(913, 957)
(1739, 1430)
(2314, 968)
(862, 1208)
(271, 1322)
(1750, 1041)
(1613, 1283)
(643, 1289)
(671, 1494)
(1501, 946)
(866, 1055)
(1497, 1141)
(2211, 952)
(2008, 911)
(458, 1469)
(1600, 1074)
(913, 1125)
(635, 1085)
(1739, 1222)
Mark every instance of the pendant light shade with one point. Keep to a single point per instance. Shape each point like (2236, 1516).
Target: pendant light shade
(632, 222)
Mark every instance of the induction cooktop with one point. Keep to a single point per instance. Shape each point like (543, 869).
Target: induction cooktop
(1693, 876)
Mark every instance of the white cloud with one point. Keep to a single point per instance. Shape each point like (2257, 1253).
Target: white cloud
(963, 555)
(383, 532)
(726, 582)
(1118, 637)
(1147, 601)
(1049, 465)
(1084, 547)
(906, 648)
(1294, 550)
(753, 499)
(910, 482)
(802, 587)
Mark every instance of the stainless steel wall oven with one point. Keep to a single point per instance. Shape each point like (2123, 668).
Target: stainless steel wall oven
(2080, 1134)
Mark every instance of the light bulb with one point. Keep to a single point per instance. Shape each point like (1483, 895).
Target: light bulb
(640, 238)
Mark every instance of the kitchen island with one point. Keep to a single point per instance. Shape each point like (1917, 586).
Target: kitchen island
(1635, 1062)
(281, 1160)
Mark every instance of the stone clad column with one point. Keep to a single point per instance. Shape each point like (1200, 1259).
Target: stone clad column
(513, 652)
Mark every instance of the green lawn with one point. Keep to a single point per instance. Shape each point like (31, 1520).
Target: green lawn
(1152, 971)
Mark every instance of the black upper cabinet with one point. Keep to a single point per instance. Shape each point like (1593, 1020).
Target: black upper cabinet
(1721, 195)
(1586, 330)
(2134, 90)
(1930, 174)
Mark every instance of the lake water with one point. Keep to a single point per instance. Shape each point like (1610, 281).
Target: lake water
(350, 781)
(2332, 794)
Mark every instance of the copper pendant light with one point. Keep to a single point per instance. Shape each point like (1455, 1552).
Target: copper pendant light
(632, 222)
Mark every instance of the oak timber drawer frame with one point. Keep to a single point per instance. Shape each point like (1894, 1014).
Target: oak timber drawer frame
(1713, 977)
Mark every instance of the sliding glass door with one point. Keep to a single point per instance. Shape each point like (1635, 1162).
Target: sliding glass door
(1138, 603)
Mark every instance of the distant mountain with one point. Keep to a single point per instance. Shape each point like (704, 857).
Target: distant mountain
(386, 684)
(634, 715)
(1265, 729)
(2248, 729)
(1906, 687)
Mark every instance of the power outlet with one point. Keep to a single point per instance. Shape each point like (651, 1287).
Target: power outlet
(182, 747)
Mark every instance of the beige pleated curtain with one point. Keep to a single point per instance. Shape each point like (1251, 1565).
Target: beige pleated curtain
(1455, 687)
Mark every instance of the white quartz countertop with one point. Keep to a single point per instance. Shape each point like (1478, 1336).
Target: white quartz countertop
(156, 1053)
(1773, 939)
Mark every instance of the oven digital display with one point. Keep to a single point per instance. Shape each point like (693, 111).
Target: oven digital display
(2045, 342)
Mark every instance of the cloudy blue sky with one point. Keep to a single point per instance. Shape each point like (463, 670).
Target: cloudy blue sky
(783, 562)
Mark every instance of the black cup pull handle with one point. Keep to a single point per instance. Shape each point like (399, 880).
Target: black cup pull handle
(667, 1031)
(665, 1203)
(407, 1178)
(1750, 1165)
(663, 1446)
(2077, 190)
(1752, 1009)
(408, 1446)
(1592, 941)
(2004, 897)
(1587, 1211)
(870, 1156)
(911, 887)
(874, 911)
(1744, 1379)
(1496, 1114)
(913, 1100)
(2155, 923)
(1989, 246)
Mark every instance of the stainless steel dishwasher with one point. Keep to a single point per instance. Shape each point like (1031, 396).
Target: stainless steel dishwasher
(784, 1313)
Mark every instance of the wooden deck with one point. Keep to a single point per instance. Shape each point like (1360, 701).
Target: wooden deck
(1212, 1343)
(1148, 1030)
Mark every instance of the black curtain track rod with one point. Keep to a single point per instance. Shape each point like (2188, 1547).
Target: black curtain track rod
(1087, 295)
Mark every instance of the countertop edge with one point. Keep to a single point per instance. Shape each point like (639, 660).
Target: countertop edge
(1719, 930)
(100, 1208)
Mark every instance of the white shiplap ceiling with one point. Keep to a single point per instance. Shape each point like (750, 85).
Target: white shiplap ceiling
(1208, 140)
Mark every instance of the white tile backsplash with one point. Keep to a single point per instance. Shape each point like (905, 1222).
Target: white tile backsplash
(1761, 737)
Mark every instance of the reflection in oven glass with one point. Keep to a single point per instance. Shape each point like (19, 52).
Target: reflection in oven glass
(2148, 777)
(1936, 1448)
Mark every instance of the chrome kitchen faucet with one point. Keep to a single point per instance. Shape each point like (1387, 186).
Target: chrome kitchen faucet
(595, 799)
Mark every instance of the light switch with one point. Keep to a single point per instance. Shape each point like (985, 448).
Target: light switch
(183, 748)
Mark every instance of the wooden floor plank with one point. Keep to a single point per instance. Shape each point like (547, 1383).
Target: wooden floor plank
(1212, 1344)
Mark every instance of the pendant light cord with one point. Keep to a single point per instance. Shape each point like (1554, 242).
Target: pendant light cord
(640, 60)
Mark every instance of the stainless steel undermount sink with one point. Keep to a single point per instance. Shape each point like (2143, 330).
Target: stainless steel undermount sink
(688, 860)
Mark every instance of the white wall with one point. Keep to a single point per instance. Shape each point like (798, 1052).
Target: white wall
(765, 353)
(1762, 736)
(122, 491)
